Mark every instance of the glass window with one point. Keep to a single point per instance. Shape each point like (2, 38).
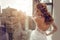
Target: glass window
(24, 5)
(46, 1)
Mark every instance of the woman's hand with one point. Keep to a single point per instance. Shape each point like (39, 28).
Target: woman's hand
(54, 29)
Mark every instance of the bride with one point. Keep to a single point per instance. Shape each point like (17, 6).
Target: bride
(43, 21)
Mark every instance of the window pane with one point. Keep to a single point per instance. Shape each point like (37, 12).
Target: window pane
(46, 1)
(49, 8)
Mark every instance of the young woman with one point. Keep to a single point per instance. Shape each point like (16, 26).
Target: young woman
(43, 21)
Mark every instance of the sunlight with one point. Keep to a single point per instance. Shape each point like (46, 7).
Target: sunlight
(24, 5)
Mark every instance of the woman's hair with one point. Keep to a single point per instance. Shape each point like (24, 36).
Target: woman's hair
(46, 14)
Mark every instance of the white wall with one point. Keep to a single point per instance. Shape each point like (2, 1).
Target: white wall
(56, 36)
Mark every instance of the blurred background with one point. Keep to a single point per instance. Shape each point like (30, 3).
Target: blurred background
(13, 12)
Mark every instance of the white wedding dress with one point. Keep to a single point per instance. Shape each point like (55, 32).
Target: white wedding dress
(37, 35)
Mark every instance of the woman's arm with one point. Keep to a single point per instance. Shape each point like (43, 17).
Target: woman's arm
(54, 29)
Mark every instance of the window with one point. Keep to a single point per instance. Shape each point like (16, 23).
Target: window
(24, 5)
(48, 2)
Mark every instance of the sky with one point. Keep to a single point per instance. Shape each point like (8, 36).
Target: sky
(24, 5)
